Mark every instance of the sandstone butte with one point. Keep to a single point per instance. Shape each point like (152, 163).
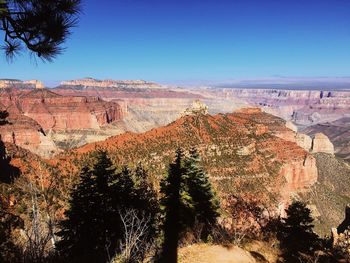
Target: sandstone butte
(239, 150)
(34, 112)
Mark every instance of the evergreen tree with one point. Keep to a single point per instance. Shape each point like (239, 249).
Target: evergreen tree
(147, 199)
(296, 234)
(171, 203)
(204, 201)
(93, 229)
(187, 199)
(86, 230)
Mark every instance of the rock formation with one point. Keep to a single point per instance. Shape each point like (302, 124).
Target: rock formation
(13, 83)
(338, 132)
(197, 107)
(304, 141)
(234, 153)
(304, 107)
(121, 89)
(90, 82)
(321, 144)
(56, 112)
(28, 134)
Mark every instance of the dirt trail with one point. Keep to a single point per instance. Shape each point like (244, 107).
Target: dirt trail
(214, 254)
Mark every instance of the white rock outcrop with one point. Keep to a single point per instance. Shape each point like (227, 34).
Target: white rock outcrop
(322, 144)
(197, 107)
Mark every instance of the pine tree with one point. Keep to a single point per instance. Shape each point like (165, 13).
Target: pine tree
(187, 199)
(171, 203)
(205, 204)
(147, 199)
(93, 229)
(297, 233)
(86, 230)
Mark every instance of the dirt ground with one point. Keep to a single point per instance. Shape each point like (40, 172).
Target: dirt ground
(203, 253)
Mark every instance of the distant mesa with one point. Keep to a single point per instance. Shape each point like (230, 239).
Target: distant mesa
(19, 84)
(91, 82)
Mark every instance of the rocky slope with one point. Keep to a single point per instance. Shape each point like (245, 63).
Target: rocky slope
(330, 194)
(242, 155)
(239, 152)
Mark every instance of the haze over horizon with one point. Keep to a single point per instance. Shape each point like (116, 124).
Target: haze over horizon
(200, 42)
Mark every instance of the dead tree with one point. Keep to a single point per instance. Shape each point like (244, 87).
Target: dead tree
(136, 227)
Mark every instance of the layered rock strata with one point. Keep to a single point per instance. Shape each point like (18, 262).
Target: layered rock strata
(56, 112)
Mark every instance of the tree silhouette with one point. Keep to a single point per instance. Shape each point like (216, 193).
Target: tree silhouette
(296, 233)
(3, 117)
(187, 200)
(203, 197)
(9, 251)
(86, 230)
(94, 225)
(40, 26)
(170, 188)
(8, 172)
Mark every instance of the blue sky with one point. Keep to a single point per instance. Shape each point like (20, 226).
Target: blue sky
(189, 40)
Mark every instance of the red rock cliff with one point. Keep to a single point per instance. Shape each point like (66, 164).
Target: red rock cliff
(56, 112)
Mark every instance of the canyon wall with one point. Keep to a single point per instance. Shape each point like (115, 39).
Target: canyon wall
(56, 112)
(304, 107)
(28, 134)
(109, 83)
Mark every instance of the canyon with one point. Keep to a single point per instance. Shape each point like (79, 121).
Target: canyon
(239, 151)
(34, 114)
(253, 142)
(118, 106)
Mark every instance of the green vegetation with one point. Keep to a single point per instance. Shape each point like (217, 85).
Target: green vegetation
(296, 232)
(116, 215)
(94, 226)
(41, 28)
(188, 200)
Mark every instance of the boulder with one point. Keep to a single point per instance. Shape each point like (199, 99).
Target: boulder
(322, 144)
